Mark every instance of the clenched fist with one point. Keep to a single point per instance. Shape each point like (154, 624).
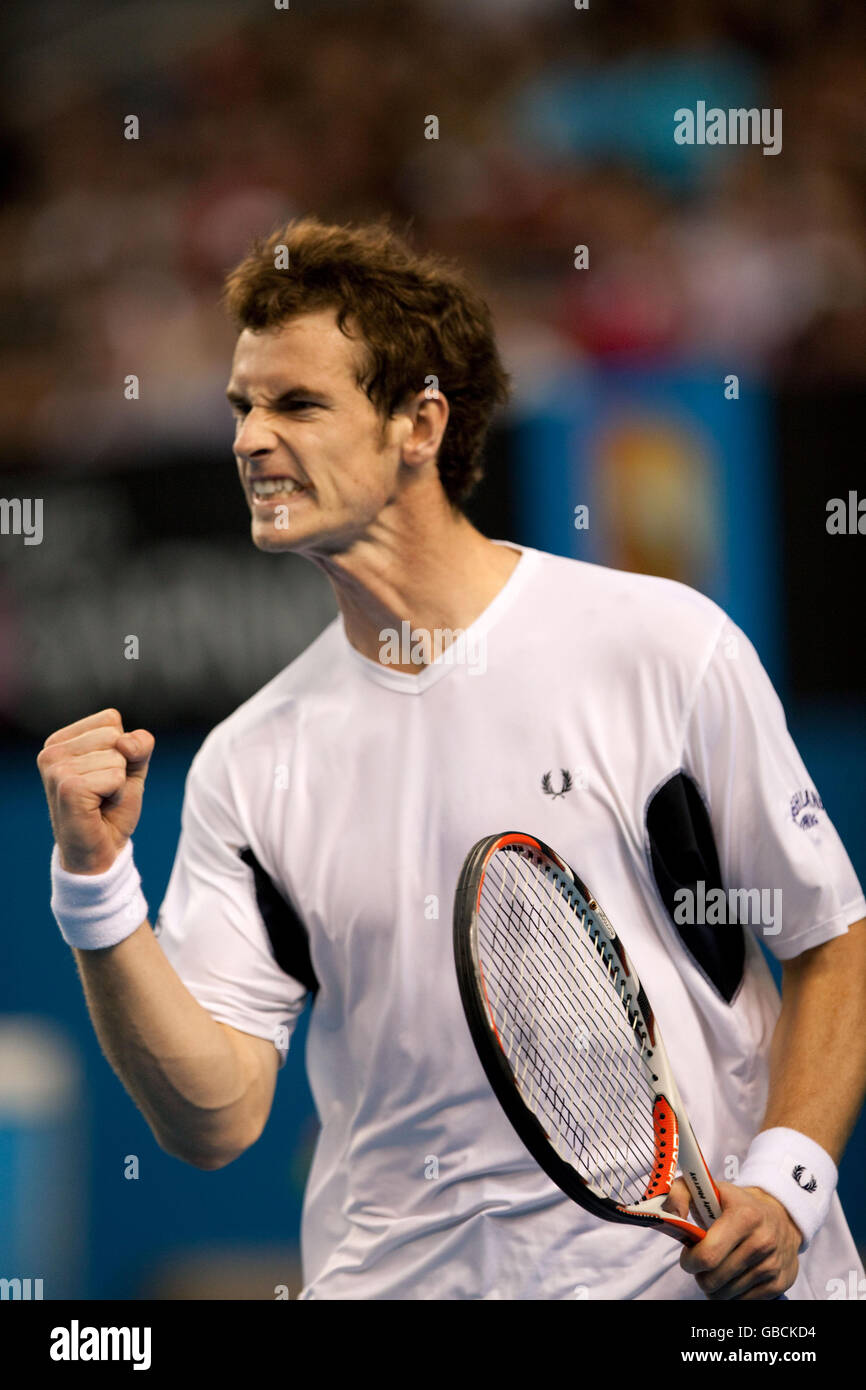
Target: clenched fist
(93, 775)
(749, 1252)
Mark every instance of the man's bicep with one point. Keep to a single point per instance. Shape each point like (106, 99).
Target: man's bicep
(778, 849)
(211, 927)
(261, 1062)
(843, 953)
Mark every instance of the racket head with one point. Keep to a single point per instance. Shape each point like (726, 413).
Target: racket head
(523, 1060)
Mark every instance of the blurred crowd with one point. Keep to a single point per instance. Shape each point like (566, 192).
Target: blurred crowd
(555, 129)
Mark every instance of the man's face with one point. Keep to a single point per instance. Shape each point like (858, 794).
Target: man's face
(309, 444)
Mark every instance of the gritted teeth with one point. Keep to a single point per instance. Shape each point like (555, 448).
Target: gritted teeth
(270, 487)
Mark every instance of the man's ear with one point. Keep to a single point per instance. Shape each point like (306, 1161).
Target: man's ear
(427, 414)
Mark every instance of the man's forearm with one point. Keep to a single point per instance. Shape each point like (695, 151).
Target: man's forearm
(198, 1091)
(818, 1051)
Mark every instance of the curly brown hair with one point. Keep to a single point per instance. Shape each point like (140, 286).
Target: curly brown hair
(417, 316)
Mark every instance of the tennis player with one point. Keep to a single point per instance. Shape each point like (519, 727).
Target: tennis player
(621, 718)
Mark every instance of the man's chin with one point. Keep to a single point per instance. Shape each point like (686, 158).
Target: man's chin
(306, 538)
(267, 538)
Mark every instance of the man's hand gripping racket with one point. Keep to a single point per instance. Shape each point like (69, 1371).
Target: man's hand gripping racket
(568, 1039)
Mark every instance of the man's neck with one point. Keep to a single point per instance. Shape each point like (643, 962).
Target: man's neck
(438, 577)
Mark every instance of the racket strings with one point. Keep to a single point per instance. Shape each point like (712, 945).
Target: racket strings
(576, 1056)
(585, 1095)
(588, 1097)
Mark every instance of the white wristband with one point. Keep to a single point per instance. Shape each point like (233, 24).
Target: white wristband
(796, 1171)
(98, 910)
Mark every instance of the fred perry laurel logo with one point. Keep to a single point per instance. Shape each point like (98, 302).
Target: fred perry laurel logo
(797, 1174)
(547, 785)
(804, 806)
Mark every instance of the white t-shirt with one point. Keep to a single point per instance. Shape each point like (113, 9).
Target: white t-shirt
(360, 789)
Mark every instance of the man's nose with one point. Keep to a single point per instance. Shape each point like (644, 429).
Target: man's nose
(255, 438)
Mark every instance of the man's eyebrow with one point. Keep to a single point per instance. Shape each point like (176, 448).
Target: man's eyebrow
(294, 393)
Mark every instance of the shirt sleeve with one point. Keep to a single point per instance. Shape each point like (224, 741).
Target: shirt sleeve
(209, 924)
(772, 831)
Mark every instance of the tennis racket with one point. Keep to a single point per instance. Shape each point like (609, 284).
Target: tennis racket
(568, 1040)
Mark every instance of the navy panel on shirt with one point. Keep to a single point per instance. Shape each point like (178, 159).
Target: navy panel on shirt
(683, 853)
